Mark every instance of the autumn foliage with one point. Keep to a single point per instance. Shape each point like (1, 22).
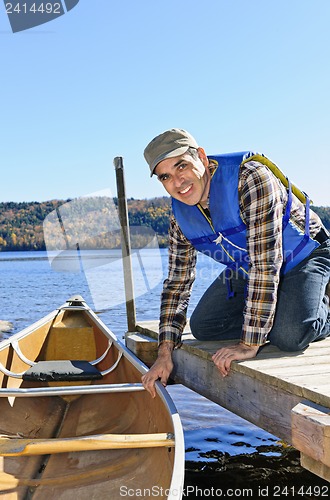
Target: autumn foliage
(21, 224)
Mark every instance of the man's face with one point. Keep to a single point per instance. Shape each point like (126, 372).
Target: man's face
(185, 178)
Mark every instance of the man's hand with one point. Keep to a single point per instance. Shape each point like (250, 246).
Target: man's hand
(224, 356)
(161, 369)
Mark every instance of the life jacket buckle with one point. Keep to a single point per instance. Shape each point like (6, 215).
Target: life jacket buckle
(219, 239)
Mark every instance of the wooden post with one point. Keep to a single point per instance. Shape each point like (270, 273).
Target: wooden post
(125, 244)
(311, 436)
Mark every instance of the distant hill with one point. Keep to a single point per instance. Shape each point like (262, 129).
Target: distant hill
(21, 224)
(324, 213)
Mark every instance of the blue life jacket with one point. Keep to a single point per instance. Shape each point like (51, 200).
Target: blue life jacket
(224, 236)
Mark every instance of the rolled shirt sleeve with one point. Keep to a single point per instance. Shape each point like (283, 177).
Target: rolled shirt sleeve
(261, 204)
(177, 287)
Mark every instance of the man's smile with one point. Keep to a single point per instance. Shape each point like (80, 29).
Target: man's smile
(186, 189)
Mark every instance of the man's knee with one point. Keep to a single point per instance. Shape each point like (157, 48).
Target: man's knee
(196, 327)
(287, 345)
(291, 341)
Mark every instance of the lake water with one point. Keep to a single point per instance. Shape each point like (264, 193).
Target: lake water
(217, 441)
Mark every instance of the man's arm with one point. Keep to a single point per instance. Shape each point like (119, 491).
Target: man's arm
(161, 369)
(174, 302)
(261, 204)
(177, 287)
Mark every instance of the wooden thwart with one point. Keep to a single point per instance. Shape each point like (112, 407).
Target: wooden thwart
(18, 447)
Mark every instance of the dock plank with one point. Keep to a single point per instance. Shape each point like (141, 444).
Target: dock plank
(272, 366)
(262, 390)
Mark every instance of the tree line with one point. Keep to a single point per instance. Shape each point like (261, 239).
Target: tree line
(88, 222)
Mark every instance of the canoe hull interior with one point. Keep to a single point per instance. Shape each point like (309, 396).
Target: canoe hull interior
(97, 473)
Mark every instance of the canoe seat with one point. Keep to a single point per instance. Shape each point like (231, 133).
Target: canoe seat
(62, 370)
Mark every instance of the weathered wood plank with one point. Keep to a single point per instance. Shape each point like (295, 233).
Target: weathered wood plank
(145, 348)
(317, 468)
(260, 403)
(311, 431)
(315, 366)
(271, 366)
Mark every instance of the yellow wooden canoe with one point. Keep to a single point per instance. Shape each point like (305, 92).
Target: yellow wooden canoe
(76, 420)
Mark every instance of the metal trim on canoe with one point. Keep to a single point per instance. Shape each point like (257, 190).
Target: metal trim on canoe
(70, 391)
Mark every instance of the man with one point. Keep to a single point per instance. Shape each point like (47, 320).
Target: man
(242, 211)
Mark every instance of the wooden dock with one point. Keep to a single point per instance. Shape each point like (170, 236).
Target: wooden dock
(287, 394)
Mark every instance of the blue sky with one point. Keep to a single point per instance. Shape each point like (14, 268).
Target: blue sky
(106, 77)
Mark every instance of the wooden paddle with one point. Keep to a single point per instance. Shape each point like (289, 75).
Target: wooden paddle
(17, 447)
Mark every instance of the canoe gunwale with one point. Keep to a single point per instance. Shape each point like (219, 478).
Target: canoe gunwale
(71, 391)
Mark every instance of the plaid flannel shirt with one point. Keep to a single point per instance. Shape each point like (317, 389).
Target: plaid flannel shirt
(262, 203)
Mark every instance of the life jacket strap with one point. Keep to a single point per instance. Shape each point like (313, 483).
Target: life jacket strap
(229, 282)
(305, 239)
(233, 230)
(286, 216)
(204, 239)
(210, 238)
(301, 195)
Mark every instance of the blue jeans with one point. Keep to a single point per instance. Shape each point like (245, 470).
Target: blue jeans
(302, 310)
